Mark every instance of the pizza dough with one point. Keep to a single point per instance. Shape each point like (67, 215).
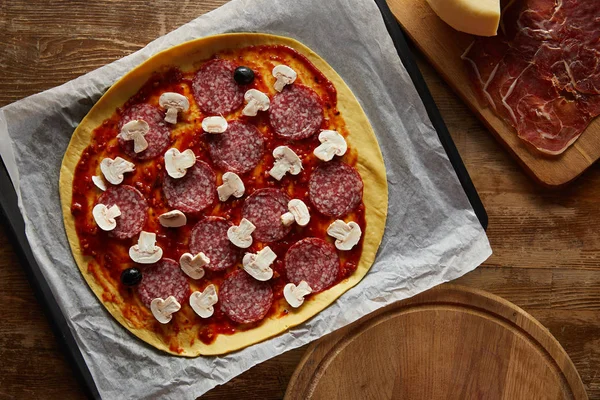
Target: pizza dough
(364, 158)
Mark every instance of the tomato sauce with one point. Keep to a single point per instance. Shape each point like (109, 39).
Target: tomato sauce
(109, 256)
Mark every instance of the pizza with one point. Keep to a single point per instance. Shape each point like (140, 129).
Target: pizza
(223, 191)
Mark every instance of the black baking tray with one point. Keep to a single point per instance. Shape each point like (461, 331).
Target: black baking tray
(13, 220)
(15, 226)
(434, 114)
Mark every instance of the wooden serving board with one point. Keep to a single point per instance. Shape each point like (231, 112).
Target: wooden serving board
(443, 46)
(451, 342)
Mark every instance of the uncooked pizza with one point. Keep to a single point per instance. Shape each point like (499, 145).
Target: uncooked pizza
(222, 192)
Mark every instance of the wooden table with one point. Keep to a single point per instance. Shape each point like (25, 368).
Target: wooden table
(546, 243)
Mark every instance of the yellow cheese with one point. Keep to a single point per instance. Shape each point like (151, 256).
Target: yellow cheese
(478, 17)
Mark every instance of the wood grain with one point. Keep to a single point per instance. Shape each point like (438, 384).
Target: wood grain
(450, 342)
(28, 349)
(443, 46)
(546, 247)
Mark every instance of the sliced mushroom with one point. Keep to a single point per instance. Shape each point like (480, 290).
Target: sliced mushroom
(173, 103)
(163, 310)
(146, 251)
(172, 219)
(202, 302)
(241, 235)
(347, 234)
(113, 170)
(285, 161)
(294, 295)
(257, 101)
(177, 163)
(284, 75)
(193, 266)
(298, 212)
(232, 185)
(332, 144)
(136, 130)
(259, 265)
(105, 217)
(99, 182)
(214, 124)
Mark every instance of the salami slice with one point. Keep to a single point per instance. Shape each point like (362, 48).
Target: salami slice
(209, 236)
(194, 192)
(158, 137)
(133, 207)
(162, 280)
(264, 209)
(239, 149)
(296, 113)
(312, 260)
(215, 90)
(335, 189)
(244, 299)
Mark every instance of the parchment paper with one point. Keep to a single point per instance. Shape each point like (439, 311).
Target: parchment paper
(432, 234)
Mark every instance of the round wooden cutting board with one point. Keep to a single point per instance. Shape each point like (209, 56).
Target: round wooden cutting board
(451, 342)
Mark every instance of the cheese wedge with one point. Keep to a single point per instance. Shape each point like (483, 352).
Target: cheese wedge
(477, 17)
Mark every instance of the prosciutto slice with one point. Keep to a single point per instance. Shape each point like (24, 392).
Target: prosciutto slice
(541, 74)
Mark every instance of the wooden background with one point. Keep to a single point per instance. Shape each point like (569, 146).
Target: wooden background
(546, 243)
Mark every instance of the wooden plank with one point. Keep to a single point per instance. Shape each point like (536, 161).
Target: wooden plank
(443, 47)
(77, 36)
(46, 43)
(32, 363)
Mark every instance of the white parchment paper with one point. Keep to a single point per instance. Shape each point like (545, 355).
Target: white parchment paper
(432, 234)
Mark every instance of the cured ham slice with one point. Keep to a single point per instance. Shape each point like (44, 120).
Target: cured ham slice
(541, 74)
(484, 57)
